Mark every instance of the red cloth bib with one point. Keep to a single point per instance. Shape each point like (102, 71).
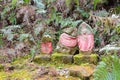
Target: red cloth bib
(46, 47)
(86, 42)
(67, 40)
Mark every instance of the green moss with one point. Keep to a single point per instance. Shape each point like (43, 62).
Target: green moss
(69, 78)
(22, 75)
(1, 67)
(17, 74)
(62, 58)
(42, 59)
(81, 58)
(47, 77)
(19, 60)
(94, 58)
(3, 75)
(78, 59)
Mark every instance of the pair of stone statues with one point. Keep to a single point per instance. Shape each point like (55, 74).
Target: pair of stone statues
(72, 37)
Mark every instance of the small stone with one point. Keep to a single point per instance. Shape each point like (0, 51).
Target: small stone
(84, 72)
(42, 59)
(62, 58)
(82, 58)
(52, 72)
(63, 72)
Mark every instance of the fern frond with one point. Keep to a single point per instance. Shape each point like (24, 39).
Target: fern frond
(108, 69)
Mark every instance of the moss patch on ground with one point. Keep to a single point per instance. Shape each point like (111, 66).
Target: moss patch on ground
(26, 70)
(16, 75)
(59, 78)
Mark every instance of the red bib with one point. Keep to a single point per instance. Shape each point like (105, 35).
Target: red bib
(86, 42)
(46, 47)
(67, 40)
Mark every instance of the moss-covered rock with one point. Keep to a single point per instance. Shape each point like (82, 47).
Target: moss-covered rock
(83, 72)
(81, 58)
(42, 59)
(62, 58)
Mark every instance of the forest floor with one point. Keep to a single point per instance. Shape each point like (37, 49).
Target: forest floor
(23, 69)
(24, 25)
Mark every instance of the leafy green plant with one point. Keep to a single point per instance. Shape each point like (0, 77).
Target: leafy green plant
(12, 18)
(97, 2)
(115, 10)
(9, 9)
(26, 1)
(83, 12)
(59, 20)
(68, 2)
(23, 37)
(108, 68)
(9, 31)
(96, 37)
(1, 40)
(118, 29)
(13, 3)
(40, 6)
(102, 13)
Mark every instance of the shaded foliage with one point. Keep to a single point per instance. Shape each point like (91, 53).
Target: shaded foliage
(108, 69)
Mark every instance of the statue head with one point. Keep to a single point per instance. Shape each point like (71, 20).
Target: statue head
(84, 28)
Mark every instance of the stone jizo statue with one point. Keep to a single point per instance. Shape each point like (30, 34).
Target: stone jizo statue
(85, 37)
(67, 41)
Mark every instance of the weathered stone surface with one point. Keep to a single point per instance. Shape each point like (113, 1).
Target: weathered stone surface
(42, 58)
(84, 72)
(62, 58)
(63, 72)
(81, 58)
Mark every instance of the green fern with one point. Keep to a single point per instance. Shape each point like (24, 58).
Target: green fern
(9, 31)
(108, 69)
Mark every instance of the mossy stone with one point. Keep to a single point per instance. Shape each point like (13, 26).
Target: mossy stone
(83, 72)
(81, 58)
(42, 59)
(62, 58)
